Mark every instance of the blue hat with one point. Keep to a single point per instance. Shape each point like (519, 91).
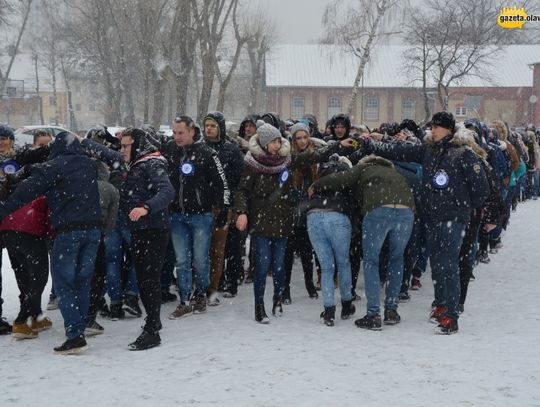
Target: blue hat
(6, 132)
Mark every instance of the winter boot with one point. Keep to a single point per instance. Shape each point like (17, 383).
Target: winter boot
(286, 297)
(436, 314)
(371, 322)
(146, 340)
(391, 317)
(447, 326)
(277, 308)
(347, 309)
(329, 315)
(116, 312)
(5, 327)
(260, 314)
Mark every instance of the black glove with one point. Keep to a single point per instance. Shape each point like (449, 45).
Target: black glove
(222, 217)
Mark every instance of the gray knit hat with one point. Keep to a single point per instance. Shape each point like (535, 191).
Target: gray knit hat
(298, 127)
(266, 133)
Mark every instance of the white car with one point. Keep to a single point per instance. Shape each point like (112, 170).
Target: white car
(25, 135)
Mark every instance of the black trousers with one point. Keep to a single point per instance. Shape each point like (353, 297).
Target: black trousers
(98, 282)
(30, 261)
(299, 243)
(465, 253)
(148, 248)
(234, 266)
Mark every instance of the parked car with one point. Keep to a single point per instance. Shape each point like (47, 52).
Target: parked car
(25, 135)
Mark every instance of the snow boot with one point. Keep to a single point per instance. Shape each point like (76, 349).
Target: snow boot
(347, 309)
(329, 315)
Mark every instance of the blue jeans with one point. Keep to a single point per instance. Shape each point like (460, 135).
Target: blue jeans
(269, 252)
(396, 223)
(330, 235)
(536, 184)
(73, 258)
(114, 256)
(444, 245)
(191, 236)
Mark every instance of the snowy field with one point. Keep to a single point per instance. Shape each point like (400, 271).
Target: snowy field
(224, 358)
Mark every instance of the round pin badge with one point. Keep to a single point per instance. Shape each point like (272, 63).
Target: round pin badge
(441, 179)
(187, 168)
(284, 176)
(10, 167)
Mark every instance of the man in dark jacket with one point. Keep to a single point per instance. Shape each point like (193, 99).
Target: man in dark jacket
(200, 185)
(232, 161)
(453, 184)
(69, 182)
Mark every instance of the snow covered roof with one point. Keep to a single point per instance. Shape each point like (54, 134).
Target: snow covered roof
(330, 66)
(24, 69)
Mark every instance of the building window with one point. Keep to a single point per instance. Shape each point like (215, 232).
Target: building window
(52, 101)
(334, 106)
(92, 107)
(297, 107)
(11, 91)
(408, 109)
(371, 109)
(461, 111)
(78, 107)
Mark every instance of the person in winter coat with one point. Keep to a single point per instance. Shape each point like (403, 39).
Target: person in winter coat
(264, 196)
(232, 161)
(69, 182)
(24, 233)
(387, 206)
(329, 227)
(200, 185)
(145, 195)
(453, 184)
(248, 128)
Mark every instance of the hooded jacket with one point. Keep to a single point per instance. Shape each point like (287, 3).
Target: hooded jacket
(453, 180)
(229, 154)
(69, 182)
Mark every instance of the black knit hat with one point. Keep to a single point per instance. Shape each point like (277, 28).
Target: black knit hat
(444, 119)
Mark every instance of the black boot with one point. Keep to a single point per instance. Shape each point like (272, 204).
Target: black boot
(286, 298)
(277, 308)
(347, 309)
(329, 315)
(260, 314)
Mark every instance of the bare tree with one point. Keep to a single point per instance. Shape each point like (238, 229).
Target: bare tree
(25, 8)
(35, 57)
(357, 28)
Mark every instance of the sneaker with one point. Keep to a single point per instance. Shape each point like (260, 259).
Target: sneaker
(347, 309)
(103, 308)
(404, 296)
(53, 303)
(183, 310)
(23, 331)
(436, 314)
(72, 346)
(213, 299)
(277, 308)
(260, 314)
(131, 305)
(329, 315)
(117, 312)
(167, 296)
(415, 284)
(146, 340)
(199, 307)
(41, 324)
(5, 327)
(372, 322)
(93, 329)
(229, 294)
(391, 317)
(447, 326)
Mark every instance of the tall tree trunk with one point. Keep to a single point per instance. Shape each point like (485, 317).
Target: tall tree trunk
(146, 95)
(40, 100)
(71, 119)
(224, 84)
(159, 98)
(206, 90)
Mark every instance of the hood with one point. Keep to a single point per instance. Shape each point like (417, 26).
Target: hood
(340, 118)
(65, 143)
(256, 149)
(143, 143)
(373, 159)
(250, 118)
(220, 120)
(274, 120)
(501, 129)
(495, 136)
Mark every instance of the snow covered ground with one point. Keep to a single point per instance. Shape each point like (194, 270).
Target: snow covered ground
(224, 358)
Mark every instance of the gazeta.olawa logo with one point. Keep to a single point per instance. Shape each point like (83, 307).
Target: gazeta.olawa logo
(513, 17)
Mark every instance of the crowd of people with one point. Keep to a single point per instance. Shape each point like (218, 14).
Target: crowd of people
(122, 218)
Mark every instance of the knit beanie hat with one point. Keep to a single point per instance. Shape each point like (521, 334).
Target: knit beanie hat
(300, 126)
(6, 132)
(266, 133)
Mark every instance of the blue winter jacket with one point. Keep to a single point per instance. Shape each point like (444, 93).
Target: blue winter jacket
(69, 182)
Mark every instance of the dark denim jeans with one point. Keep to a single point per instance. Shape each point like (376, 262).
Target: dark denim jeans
(114, 254)
(444, 244)
(330, 235)
(396, 223)
(191, 236)
(73, 260)
(270, 253)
